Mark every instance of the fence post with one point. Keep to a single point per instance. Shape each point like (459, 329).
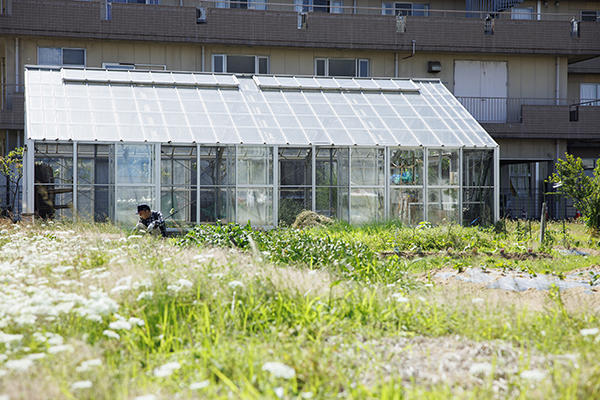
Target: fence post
(543, 223)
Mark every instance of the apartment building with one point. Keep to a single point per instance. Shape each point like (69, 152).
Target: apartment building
(527, 71)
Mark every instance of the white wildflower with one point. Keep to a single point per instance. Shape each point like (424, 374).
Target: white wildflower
(174, 288)
(111, 334)
(279, 392)
(120, 324)
(81, 385)
(307, 395)
(215, 275)
(60, 348)
(279, 370)
(477, 300)
(36, 356)
(136, 321)
(54, 339)
(235, 284)
(480, 368)
(147, 295)
(39, 337)
(22, 364)
(61, 269)
(185, 283)
(7, 337)
(166, 259)
(399, 298)
(146, 397)
(146, 283)
(199, 385)
(166, 369)
(85, 365)
(589, 331)
(533, 375)
(133, 237)
(2, 373)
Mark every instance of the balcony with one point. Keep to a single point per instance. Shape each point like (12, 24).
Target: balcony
(366, 29)
(531, 118)
(12, 107)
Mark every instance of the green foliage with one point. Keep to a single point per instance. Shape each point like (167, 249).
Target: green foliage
(571, 180)
(11, 166)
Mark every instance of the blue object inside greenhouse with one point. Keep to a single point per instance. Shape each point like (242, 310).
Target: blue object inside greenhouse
(404, 177)
(518, 281)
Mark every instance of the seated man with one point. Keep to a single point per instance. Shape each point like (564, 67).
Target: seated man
(150, 221)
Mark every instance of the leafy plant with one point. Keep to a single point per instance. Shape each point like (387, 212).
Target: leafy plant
(11, 166)
(571, 180)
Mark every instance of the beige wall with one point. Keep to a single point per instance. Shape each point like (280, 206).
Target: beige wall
(576, 79)
(528, 76)
(532, 149)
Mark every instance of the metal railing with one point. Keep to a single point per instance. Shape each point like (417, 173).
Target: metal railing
(508, 109)
(547, 13)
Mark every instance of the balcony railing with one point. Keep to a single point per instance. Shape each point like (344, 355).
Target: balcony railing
(507, 109)
(7, 5)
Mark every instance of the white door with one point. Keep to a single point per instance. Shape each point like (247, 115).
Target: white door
(482, 88)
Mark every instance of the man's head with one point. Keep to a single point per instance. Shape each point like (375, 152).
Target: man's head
(143, 210)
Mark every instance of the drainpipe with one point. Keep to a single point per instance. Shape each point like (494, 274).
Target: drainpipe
(354, 9)
(396, 65)
(203, 59)
(557, 81)
(17, 64)
(539, 10)
(414, 43)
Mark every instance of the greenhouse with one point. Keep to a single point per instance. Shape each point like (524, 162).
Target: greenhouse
(205, 147)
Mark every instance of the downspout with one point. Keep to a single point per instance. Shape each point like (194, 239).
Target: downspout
(557, 81)
(203, 69)
(539, 10)
(396, 65)
(354, 9)
(414, 43)
(17, 64)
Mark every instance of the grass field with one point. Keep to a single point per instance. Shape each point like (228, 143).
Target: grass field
(94, 312)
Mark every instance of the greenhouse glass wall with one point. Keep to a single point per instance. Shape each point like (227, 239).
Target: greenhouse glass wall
(206, 147)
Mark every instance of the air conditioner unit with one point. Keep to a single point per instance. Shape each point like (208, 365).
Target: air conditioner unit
(200, 15)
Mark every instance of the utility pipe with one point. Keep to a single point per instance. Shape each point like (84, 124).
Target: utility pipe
(414, 43)
(539, 10)
(203, 69)
(17, 64)
(396, 65)
(557, 81)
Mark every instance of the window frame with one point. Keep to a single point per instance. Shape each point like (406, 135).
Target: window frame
(359, 66)
(521, 13)
(391, 8)
(257, 59)
(62, 56)
(589, 15)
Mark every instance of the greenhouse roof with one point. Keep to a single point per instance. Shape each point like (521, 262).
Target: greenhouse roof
(178, 107)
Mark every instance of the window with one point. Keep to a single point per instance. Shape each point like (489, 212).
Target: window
(240, 64)
(142, 67)
(342, 67)
(243, 4)
(61, 56)
(406, 9)
(592, 16)
(589, 91)
(109, 5)
(522, 13)
(324, 6)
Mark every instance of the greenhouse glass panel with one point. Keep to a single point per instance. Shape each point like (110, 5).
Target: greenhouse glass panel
(217, 204)
(295, 182)
(135, 164)
(255, 165)
(53, 175)
(442, 206)
(128, 197)
(254, 205)
(406, 205)
(406, 167)
(478, 175)
(332, 169)
(178, 184)
(443, 167)
(366, 205)
(95, 180)
(217, 166)
(366, 166)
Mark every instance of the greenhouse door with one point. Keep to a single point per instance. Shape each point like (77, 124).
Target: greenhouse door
(481, 86)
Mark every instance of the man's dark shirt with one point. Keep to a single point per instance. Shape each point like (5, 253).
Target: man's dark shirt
(159, 221)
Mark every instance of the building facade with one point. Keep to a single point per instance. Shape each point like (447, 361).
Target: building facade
(527, 71)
